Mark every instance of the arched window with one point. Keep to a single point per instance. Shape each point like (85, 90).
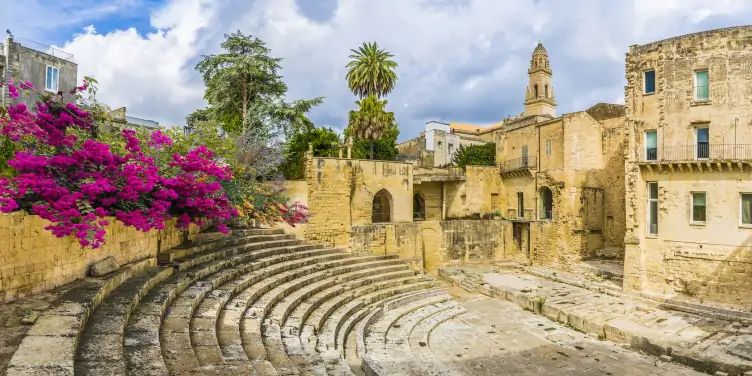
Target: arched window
(545, 90)
(419, 207)
(382, 207)
(535, 91)
(546, 203)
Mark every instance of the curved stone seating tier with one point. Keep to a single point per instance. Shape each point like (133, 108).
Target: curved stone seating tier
(102, 345)
(258, 302)
(396, 342)
(50, 345)
(323, 347)
(291, 329)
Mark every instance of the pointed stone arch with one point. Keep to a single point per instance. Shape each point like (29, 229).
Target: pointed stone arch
(381, 207)
(546, 199)
(535, 91)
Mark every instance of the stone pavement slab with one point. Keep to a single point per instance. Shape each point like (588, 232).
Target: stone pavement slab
(707, 344)
(497, 338)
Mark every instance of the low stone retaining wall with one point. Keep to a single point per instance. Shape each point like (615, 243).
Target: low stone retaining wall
(33, 260)
(434, 243)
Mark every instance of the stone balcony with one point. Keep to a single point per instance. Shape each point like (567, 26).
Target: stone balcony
(430, 174)
(697, 158)
(518, 166)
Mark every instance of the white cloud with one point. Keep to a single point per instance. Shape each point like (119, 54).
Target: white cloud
(465, 61)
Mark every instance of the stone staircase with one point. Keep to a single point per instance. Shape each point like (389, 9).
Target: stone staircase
(258, 302)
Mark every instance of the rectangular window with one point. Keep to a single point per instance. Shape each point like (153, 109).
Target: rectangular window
(524, 156)
(698, 206)
(703, 143)
(520, 205)
(649, 82)
(701, 85)
(548, 147)
(746, 208)
(651, 145)
(653, 208)
(51, 79)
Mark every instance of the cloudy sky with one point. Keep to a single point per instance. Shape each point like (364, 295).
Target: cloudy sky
(459, 60)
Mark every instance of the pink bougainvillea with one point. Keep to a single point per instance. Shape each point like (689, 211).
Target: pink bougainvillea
(76, 184)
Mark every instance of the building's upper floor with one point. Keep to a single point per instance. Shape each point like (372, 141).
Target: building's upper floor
(575, 141)
(690, 97)
(121, 119)
(47, 68)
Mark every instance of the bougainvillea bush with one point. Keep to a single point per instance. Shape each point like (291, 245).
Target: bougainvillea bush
(75, 182)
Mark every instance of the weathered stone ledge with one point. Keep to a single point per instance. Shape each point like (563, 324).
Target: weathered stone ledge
(706, 344)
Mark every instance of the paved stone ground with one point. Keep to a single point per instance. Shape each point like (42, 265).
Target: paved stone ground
(708, 344)
(16, 319)
(497, 338)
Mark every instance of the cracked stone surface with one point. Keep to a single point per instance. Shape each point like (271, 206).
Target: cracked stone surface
(497, 338)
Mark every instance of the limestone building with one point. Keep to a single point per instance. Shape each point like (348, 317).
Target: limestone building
(689, 192)
(47, 68)
(437, 145)
(562, 177)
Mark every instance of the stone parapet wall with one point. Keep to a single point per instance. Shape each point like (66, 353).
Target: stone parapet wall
(434, 243)
(33, 260)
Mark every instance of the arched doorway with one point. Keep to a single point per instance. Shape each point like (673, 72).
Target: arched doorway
(419, 207)
(546, 203)
(381, 209)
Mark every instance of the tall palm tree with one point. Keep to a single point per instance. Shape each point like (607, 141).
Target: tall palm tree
(371, 71)
(370, 121)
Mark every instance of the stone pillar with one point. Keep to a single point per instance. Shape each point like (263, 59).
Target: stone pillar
(349, 147)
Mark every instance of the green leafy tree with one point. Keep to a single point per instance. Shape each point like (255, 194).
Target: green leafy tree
(371, 121)
(244, 89)
(324, 141)
(475, 155)
(202, 114)
(8, 150)
(371, 71)
(384, 148)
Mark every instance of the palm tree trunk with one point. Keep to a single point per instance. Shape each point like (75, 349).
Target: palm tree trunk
(371, 149)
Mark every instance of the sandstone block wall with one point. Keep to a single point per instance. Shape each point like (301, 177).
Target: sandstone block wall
(433, 243)
(33, 260)
(432, 194)
(341, 192)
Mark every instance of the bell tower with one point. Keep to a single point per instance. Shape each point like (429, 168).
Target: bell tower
(539, 97)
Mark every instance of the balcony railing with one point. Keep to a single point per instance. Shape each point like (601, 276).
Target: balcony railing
(699, 152)
(518, 164)
(36, 46)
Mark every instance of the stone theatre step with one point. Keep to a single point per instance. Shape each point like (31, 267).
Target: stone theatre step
(256, 302)
(101, 347)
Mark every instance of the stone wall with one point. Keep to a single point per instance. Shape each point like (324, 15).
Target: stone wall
(481, 193)
(432, 194)
(710, 260)
(341, 192)
(33, 260)
(433, 243)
